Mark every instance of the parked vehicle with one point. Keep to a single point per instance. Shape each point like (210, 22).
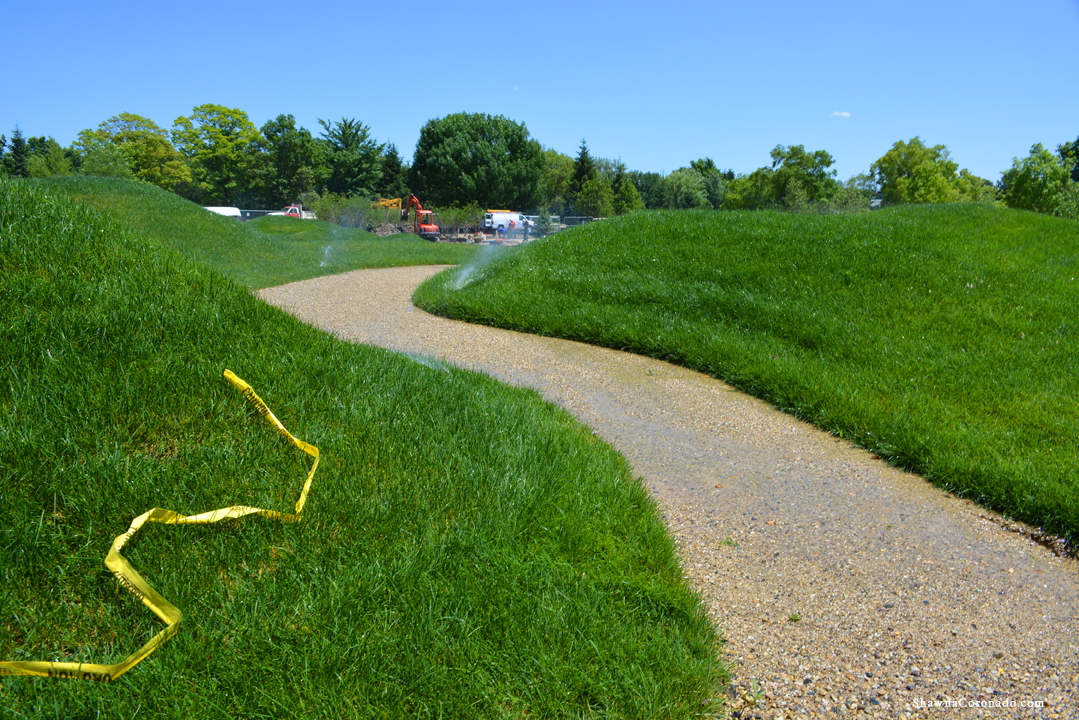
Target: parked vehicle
(505, 219)
(226, 211)
(296, 211)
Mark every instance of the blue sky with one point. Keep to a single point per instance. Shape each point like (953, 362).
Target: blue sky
(655, 84)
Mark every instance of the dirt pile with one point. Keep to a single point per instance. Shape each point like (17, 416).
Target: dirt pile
(386, 229)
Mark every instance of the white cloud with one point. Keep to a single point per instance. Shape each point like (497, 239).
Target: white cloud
(841, 113)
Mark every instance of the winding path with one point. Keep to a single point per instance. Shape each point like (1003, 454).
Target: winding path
(844, 586)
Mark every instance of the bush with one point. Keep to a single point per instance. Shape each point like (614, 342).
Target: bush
(350, 212)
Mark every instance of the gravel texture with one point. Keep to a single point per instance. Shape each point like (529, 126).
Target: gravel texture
(845, 587)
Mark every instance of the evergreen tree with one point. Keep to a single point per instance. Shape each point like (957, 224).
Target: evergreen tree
(584, 169)
(394, 179)
(626, 198)
(15, 160)
(596, 198)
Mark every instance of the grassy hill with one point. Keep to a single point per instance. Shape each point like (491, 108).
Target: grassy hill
(261, 253)
(940, 337)
(467, 550)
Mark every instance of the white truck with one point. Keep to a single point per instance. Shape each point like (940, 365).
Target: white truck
(508, 220)
(296, 211)
(226, 211)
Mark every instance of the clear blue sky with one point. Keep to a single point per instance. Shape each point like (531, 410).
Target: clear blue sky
(655, 84)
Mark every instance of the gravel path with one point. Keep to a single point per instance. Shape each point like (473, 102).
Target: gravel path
(845, 587)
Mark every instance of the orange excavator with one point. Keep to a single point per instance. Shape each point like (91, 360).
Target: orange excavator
(423, 223)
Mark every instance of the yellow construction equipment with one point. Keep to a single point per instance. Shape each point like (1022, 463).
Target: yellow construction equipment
(391, 204)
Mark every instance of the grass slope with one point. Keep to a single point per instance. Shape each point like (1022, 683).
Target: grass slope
(261, 253)
(467, 550)
(942, 338)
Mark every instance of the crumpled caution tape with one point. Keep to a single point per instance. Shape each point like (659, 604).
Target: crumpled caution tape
(130, 578)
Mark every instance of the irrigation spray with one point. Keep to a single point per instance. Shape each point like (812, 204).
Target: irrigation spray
(481, 260)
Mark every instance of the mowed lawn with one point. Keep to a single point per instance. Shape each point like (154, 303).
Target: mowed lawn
(467, 549)
(260, 253)
(943, 338)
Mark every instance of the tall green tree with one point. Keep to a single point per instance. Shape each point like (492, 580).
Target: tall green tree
(355, 158)
(557, 173)
(911, 172)
(755, 191)
(1069, 155)
(651, 187)
(46, 158)
(147, 147)
(584, 169)
(715, 180)
(477, 158)
(595, 198)
(626, 198)
(295, 161)
(800, 174)
(686, 190)
(1038, 182)
(222, 146)
(393, 179)
(17, 156)
(106, 161)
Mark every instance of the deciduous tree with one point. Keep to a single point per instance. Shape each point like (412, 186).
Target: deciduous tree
(106, 161)
(473, 157)
(557, 173)
(912, 173)
(222, 146)
(147, 148)
(685, 189)
(47, 158)
(800, 174)
(1038, 182)
(1069, 154)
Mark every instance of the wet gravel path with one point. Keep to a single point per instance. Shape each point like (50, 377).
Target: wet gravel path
(845, 587)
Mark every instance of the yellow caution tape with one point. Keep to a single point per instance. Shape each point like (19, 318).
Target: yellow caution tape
(134, 582)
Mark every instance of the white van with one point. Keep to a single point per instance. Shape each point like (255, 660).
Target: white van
(507, 220)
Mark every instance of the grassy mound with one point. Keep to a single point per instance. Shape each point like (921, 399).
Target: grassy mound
(467, 550)
(261, 253)
(943, 338)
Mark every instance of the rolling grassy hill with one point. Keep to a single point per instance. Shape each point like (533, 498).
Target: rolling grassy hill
(943, 338)
(467, 550)
(261, 253)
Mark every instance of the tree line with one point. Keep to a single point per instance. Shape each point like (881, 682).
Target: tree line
(217, 156)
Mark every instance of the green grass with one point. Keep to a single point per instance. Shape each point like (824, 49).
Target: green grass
(942, 338)
(467, 550)
(261, 253)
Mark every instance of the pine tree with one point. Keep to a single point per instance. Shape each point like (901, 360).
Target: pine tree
(393, 181)
(584, 169)
(627, 198)
(15, 159)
